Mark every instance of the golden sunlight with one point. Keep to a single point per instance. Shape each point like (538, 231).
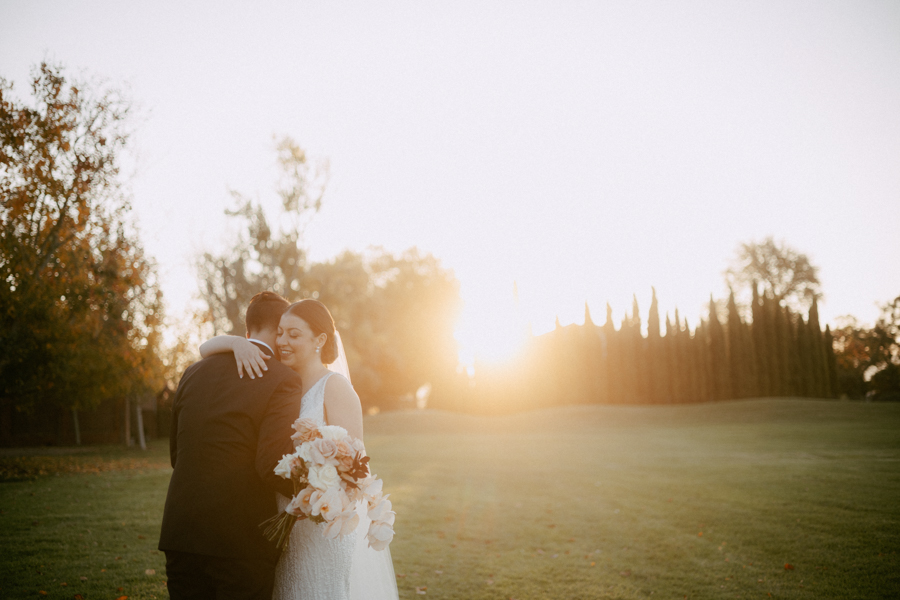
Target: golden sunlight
(491, 329)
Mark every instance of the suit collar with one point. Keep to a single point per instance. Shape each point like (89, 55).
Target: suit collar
(261, 343)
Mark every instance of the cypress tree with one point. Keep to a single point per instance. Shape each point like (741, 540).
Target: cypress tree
(752, 389)
(657, 369)
(831, 361)
(735, 352)
(594, 364)
(629, 360)
(691, 364)
(613, 359)
(677, 359)
(670, 344)
(720, 377)
(762, 350)
(782, 344)
(804, 367)
(818, 357)
(704, 365)
(639, 353)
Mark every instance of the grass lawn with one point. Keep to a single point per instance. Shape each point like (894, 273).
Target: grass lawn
(704, 501)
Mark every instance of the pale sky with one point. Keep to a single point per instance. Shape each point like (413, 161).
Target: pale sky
(586, 150)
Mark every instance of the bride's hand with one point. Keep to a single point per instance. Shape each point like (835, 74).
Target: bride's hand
(250, 358)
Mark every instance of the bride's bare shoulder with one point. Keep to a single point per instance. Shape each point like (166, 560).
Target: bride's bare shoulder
(338, 386)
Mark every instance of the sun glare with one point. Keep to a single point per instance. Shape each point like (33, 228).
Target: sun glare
(491, 329)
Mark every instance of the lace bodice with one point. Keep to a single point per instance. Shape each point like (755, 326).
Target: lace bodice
(312, 405)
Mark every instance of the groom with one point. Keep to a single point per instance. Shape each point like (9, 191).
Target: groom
(228, 433)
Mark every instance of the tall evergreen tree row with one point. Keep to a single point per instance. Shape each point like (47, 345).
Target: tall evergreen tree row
(776, 352)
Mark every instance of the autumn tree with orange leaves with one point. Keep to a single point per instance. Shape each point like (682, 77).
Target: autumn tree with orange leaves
(79, 304)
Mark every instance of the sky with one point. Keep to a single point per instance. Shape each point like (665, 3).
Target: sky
(584, 151)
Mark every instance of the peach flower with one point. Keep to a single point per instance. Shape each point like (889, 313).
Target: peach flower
(307, 430)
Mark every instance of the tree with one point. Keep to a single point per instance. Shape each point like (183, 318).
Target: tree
(786, 274)
(657, 356)
(80, 310)
(396, 315)
(884, 361)
(264, 257)
(720, 374)
(867, 360)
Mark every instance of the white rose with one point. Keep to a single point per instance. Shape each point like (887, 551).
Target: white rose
(332, 432)
(323, 477)
(283, 468)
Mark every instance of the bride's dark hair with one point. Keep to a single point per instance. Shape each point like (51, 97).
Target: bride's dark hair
(320, 321)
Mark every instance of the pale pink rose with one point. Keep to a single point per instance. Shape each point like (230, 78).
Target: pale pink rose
(328, 504)
(300, 505)
(344, 455)
(306, 429)
(357, 445)
(323, 452)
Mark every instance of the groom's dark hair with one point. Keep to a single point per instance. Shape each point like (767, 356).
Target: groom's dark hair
(264, 312)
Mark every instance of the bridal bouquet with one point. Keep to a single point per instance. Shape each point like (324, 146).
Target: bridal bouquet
(330, 473)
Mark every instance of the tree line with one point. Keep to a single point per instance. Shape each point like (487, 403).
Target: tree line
(777, 353)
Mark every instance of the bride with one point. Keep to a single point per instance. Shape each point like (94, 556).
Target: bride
(313, 567)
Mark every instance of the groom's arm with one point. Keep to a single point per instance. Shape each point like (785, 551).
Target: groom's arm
(275, 434)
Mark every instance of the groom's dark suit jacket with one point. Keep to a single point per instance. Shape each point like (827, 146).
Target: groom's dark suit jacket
(227, 436)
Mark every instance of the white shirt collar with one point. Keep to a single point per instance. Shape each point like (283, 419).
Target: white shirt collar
(263, 343)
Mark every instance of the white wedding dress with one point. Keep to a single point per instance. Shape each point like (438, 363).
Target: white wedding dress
(313, 567)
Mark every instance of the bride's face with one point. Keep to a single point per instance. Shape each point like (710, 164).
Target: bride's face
(297, 342)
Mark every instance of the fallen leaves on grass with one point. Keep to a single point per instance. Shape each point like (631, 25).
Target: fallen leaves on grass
(422, 590)
(29, 467)
(788, 567)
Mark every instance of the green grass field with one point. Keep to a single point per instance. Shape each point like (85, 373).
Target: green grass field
(703, 501)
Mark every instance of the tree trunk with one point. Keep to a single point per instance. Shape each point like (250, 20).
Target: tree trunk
(139, 413)
(77, 427)
(127, 421)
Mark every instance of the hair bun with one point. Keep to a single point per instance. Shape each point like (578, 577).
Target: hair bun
(329, 350)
